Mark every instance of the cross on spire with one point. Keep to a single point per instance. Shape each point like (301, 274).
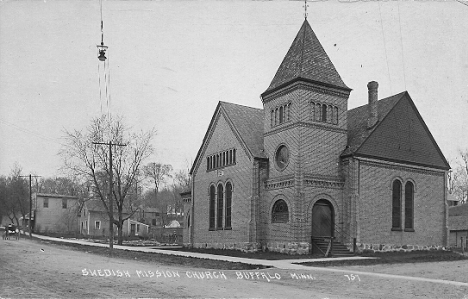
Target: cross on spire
(305, 9)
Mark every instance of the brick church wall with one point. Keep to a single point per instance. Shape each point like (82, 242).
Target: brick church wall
(240, 175)
(375, 207)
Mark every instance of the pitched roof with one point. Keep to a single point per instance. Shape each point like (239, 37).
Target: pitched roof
(306, 60)
(55, 195)
(248, 122)
(357, 121)
(458, 217)
(150, 210)
(96, 205)
(460, 210)
(400, 135)
(247, 125)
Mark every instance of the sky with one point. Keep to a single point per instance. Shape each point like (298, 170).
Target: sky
(171, 62)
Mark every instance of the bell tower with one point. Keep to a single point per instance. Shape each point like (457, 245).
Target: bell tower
(305, 127)
(305, 131)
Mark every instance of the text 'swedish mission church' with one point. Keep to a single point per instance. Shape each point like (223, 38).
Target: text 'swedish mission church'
(305, 167)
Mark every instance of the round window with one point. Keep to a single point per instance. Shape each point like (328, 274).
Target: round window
(282, 156)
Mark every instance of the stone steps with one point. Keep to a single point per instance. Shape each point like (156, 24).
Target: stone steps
(338, 249)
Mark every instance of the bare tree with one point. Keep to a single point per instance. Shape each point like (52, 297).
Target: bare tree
(16, 195)
(89, 161)
(60, 185)
(182, 180)
(458, 178)
(158, 173)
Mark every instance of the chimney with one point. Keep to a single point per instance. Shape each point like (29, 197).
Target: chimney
(372, 117)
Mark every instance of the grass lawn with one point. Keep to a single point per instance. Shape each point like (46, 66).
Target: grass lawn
(164, 259)
(249, 255)
(419, 256)
(172, 260)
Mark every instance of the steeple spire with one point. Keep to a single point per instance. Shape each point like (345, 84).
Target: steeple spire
(305, 9)
(306, 61)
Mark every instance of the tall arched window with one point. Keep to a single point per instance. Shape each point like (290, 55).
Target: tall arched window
(281, 115)
(312, 111)
(324, 113)
(220, 206)
(409, 206)
(396, 205)
(335, 116)
(329, 114)
(280, 212)
(318, 113)
(212, 206)
(227, 220)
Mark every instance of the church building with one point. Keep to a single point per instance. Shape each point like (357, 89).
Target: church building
(305, 169)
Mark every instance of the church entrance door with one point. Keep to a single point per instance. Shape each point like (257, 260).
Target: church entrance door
(322, 219)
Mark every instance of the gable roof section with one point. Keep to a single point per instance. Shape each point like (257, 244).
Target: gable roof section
(246, 123)
(49, 195)
(96, 205)
(401, 134)
(458, 217)
(460, 210)
(357, 121)
(306, 60)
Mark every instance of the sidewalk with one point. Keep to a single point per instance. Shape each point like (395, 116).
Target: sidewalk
(280, 264)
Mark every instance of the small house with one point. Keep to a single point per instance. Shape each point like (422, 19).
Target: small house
(54, 213)
(458, 224)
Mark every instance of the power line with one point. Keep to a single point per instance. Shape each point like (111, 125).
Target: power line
(402, 50)
(462, 2)
(385, 49)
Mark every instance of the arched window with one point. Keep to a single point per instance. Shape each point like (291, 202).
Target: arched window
(324, 113)
(329, 114)
(396, 205)
(227, 221)
(312, 111)
(289, 111)
(220, 206)
(281, 115)
(335, 116)
(280, 212)
(212, 206)
(318, 113)
(409, 206)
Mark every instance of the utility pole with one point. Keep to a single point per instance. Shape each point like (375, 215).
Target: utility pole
(30, 200)
(111, 200)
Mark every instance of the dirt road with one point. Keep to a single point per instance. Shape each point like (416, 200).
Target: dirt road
(33, 269)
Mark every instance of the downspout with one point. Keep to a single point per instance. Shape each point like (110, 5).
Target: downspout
(446, 228)
(192, 218)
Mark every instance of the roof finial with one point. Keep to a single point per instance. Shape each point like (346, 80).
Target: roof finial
(305, 9)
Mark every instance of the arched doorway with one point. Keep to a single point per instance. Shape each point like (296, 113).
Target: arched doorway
(323, 215)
